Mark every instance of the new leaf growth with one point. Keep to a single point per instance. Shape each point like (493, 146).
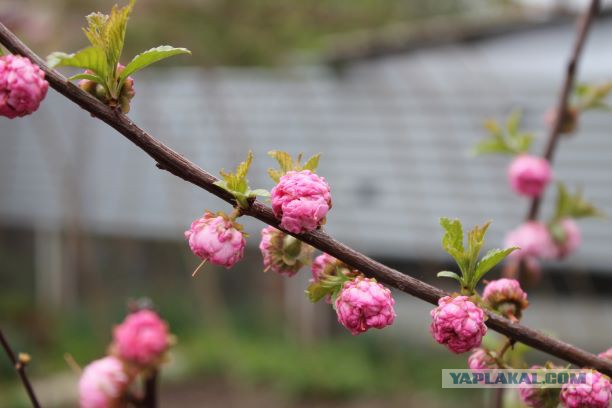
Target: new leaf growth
(238, 184)
(472, 269)
(506, 139)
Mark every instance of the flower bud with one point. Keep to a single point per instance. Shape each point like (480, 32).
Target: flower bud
(505, 296)
(458, 324)
(480, 359)
(529, 175)
(103, 383)
(22, 86)
(283, 253)
(567, 236)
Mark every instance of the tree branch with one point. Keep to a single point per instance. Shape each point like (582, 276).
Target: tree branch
(178, 165)
(19, 363)
(584, 25)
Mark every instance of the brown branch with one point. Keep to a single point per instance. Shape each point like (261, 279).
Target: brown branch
(178, 165)
(150, 391)
(19, 363)
(584, 25)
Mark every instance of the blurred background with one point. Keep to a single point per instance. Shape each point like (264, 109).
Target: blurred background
(393, 93)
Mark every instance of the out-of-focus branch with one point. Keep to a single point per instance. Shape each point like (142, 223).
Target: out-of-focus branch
(19, 362)
(584, 25)
(169, 160)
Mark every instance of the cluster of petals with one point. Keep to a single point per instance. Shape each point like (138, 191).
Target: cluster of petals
(363, 304)
(458, 324)
(142, 338)
(594, 393)
(301, 200)
(103, 383)
(480, 359)
(273, 247)
(217, 239)
(505, 295)
(324, 265)
(529, 175)
(22, 86)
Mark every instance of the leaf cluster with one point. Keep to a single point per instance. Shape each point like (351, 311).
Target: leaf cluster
(505, 139)
(238, 184)
(589, 96)
(286, 163)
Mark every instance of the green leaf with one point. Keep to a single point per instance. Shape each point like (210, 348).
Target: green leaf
(449, 274)
(312, 163)
(90, 58)
(505, 141)
(475, 242)
(488, 262)
(284, 160)
(1, 52)
(275, 175)
(149, 57)
(90, 77)
(493, 145)
(316, 291)
(115, 33)
(513, 122)
(452, 242)
(259, 192)
(570, 205)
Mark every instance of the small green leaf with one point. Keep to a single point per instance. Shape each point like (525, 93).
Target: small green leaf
(449, 274)
(149, 57)
(493, 145)
(90, 58)
(570, 205)
(452, 242)
(259, 192)
(504, 141)
(316, 292)
(90, 77)
(1, 52)
(513, 121)
(312, 163)
(284, 160)
(488, 262)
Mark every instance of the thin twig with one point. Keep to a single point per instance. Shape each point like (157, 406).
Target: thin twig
(19, 363)
(150, 395)
(584, 25)
(178, 165)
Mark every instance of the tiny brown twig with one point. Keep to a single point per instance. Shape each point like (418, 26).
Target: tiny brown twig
(19, 362)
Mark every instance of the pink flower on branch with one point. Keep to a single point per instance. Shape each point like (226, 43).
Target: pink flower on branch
(363, 304)
(22, 86)
(142, 338)
(534, 240)
(480, 359)
(103, 384)
(594, 393)
(458, 324)
(301, 199)
(529, 175)
(282, 253)
(216, 238)
(505, 296)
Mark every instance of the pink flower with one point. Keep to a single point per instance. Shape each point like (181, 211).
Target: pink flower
(572, 238)
(216, 239)
(103, 383)
(606, 354)
(458, 324)
(595, 393)
(142, 338)
(364, 303)
(301, 199)
(324, 265)
(481, 360)
(283, 253)
(534, 240)
(505, 296)
(22, 86)
(529, 175)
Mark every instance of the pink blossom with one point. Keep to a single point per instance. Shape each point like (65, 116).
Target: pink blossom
(216, 239)
(458, 324)
(364, 303)
(572, 238)
(534, 240)
(529, 175)
(481, 360)
(606, 354)
(323, 265)
(301, 199)
(22, 86)
(103, 383)
(142, 338)
(505, 296)
(283, 253)
(594, 393)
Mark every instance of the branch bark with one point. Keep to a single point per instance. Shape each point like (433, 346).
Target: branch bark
(169, 160)
(584, 25)
(19, 363)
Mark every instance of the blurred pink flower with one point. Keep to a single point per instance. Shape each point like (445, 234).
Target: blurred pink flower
(103, 383)
(481, 360)
(22, 86)
(364, 304)
(572, 239)
(595, 393)
(458, 324)
(529, 175)
(301, 199)
(505, 296)
(534, 240)
(142, 338)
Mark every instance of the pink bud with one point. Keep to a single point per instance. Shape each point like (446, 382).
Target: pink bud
(534, 240)
(142, 338)
(458, 324)
(324, 265)
(364, 304)
(481, 360)
(22, 86)
(216, 239)
(606, 354)
(301, 199)
(283, 253)
(505, 296)
(529, 175)
(572, 238)
(595, 393)
(103, 383)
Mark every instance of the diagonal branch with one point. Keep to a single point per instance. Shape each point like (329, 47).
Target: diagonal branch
(169, 160)
(19, 362)
(584, 25)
